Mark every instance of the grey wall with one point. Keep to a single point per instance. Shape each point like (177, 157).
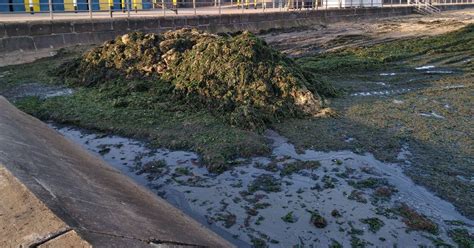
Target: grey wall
(37, 35)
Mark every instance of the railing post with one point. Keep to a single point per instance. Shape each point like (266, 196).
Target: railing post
(89, 3)
(163, 7)
(127, 2)
(194, 7)
(50, 4)
(219, 7)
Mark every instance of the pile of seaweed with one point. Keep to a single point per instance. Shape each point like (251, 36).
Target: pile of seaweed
(237, 77)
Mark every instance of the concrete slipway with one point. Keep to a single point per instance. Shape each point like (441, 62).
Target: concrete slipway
(76, 192)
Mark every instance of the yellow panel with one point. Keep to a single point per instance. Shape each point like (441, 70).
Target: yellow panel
(105, 4)
(69, 5)
(34, 3)
(137, 4)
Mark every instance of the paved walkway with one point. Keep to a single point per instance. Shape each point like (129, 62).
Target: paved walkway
(224, 9)
(16, 17)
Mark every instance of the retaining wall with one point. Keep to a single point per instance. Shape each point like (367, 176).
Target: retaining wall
(38, 35)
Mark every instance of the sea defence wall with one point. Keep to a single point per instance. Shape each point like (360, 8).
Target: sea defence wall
(84, 195)
(41, 35)
(37, 35)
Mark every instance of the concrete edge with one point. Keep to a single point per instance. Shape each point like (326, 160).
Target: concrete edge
(31, 224)
(105, 207)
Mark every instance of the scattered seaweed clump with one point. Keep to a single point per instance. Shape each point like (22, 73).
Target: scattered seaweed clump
(462, 237)
(236, 77)
(374, 224)
(289, 218)
(266, 183)
(416, 221)
(294, 167)
(317, 220)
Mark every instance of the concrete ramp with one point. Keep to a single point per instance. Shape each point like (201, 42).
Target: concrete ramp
(103, 206)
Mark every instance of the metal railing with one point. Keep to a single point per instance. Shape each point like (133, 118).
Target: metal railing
(127, 8)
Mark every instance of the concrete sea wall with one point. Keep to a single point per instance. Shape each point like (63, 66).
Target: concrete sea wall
(37, 35)
(40, 35)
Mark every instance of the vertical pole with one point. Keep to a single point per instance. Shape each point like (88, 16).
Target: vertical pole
(219, 7)
(163, 7)
(50, 3)
(194, 7)
(89, 3)
(127, 2)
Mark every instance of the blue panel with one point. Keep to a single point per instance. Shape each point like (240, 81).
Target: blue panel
(82, 5)
(58, 5)
(4, 6)
(95, 5)
(44, 5)
(117, 5)
(146, 4)
(18, 5)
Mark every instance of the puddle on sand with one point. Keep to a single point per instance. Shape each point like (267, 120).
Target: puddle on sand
(430, 69)
(425, 67)
(223, 202)
(388, 74)
(432, 114)
(382, 92)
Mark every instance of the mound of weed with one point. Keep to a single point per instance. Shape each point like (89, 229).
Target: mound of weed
(238, 77)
